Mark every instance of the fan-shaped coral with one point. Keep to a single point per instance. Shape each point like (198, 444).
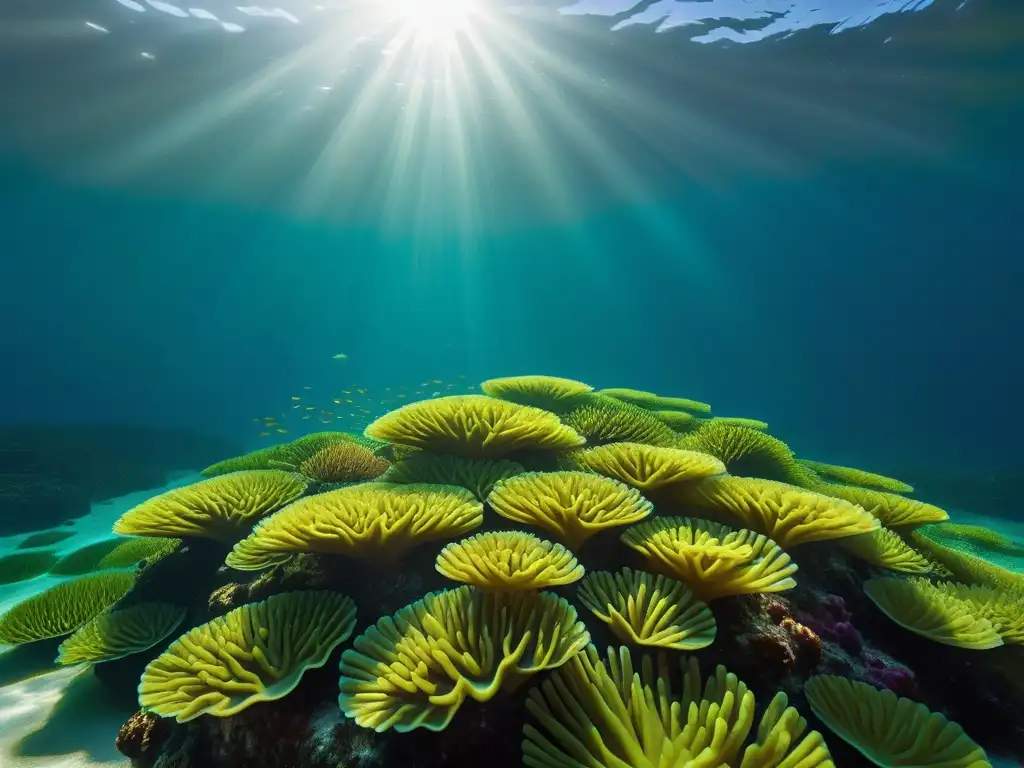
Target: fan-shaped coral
(652, 402)
(573, 506)
(508, 560)
(852, 476)
(739, 421)
(648, 610)
(712, 559)
(917, 605)
(550, 393)
(474, 426)
(477, 475)
(602, 714)
(886, 549)
(290, 456)
(86, 559)
(647, 467)
(21, 566)
(116, 634)
(963, 566)
(680, 421)
(1003, 608)
(224, 507)
(257, 652)
(114, 553)
(973, 539)
(749, 452)
(346, 462)
(44, 539)
(890, 731)
(377, 521)
(891, 509)
(63, 608)
(787, 514)
(604, 420)
(415, 669)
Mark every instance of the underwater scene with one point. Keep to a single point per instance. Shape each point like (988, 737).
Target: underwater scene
(548, 383)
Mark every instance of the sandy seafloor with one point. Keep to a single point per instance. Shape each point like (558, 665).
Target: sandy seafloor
(62, 718)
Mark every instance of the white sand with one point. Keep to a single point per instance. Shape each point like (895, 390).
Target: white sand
(61, 718)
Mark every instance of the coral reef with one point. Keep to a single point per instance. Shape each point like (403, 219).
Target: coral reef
(455, 608)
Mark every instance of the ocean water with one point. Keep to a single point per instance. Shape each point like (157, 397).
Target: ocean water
(232, 226)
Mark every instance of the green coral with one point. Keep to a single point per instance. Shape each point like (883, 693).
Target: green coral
(120, 552)
(63, 608)
(652, 402)
(289, 456)
(476, 475)
(749, 453)
(22, 566)
(852, 476)
(116, 634)
(604, 420)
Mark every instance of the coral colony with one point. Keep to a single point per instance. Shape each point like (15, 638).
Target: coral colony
(443, 585)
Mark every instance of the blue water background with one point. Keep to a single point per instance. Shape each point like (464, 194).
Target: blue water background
(869, 307)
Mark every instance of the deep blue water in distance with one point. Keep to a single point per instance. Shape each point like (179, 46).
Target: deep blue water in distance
(868, 307)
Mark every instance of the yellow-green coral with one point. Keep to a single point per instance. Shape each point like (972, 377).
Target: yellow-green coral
(21, 566)
(571, 505)
(963, 566)
(860, 477)
(477, 475)
(740, 421)
(890, 731)
(116, 634)
(680, 421)
(346, 462)
(508, 560)
(257, 652)
(63, 608)
(646, 467)
(919, 606)
(1003, 608)
(224, 507)
(604, 420)
(651, 610)
(653, 402)
(713, 560)
(117, 552)
(787, 514)
(550, 393)
(605, 714)
(415, 669)
(749, 452)
(887, 549)
(973, 539)
(374, 521)
(289, 456)
(474, 426)
(893, 510)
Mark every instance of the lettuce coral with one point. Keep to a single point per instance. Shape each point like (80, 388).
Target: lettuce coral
(473, 426)
(257, 652)
(573, 506)
(414, 670)
(508, 560)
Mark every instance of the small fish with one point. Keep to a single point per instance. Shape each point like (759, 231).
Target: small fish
(340, 356)
(461, 376)
(348, 401)
(470, 387)
(307, 388)
(346, 392)
(306, 417)
(436, 381)
(264, 434)
(401, 397)
(361, 391)
(435, 394)
(336, 401)
(296, 397)
(282, 431)
(256, 419)
(387, 389)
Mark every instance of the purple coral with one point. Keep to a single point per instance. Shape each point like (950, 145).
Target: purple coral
(833, 622)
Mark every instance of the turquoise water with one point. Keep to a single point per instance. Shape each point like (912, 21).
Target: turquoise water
(227, 227)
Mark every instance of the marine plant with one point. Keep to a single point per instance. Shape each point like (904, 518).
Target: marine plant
(21, 566)
(115, 634)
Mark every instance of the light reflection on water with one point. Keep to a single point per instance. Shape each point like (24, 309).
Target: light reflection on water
(741, 21)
